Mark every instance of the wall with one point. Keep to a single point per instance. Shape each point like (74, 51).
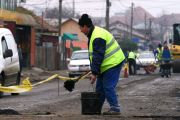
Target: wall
(71, 26)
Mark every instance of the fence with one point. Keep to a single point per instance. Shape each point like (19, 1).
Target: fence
(47, 58)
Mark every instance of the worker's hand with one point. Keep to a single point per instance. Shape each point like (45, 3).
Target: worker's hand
(93, 78)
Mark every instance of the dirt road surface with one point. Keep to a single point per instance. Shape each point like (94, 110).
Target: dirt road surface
(142, 97)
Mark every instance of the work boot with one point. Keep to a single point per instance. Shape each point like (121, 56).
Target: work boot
(111, 112)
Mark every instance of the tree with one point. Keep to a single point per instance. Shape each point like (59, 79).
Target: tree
(54, 13)
(128, 45)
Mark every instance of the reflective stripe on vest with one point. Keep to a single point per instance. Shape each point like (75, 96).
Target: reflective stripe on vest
(113, 54)
(107, 46)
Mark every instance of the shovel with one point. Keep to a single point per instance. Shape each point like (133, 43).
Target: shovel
(69, 84)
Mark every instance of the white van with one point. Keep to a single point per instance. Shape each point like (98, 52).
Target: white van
(9, 60)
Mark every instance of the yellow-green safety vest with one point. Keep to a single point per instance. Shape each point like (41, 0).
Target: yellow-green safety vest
(113, 53)
(132, 55)
(159, 55)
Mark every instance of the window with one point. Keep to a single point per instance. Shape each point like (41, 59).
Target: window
(80, 55)
(11, 43)
(4, 45)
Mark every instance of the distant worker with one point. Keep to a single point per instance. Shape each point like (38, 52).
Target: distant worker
(166, 61)
(132, 63)
(106, 58)
(166, 54)
(159, 52)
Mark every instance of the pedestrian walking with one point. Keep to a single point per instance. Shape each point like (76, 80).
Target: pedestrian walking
(20, 57)
(106, 58)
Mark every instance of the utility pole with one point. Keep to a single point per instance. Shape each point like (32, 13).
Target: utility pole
(42, 23)
(60, 49)
(73, 9)
(15, 5)
(132, 14)
(108, 4)
(150, 34)
(145, 26)
(60, 62)
(46, 8)
(150, 29)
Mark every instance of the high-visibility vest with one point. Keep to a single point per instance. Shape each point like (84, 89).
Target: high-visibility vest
(132, 55)
(159, 55)
(113, 53)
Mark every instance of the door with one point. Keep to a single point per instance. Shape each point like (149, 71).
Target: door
(11, 64)
(14, 65)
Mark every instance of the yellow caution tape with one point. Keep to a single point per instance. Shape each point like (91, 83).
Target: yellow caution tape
(46, 80)
(27, 86)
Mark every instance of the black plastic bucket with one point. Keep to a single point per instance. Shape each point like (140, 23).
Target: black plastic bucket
(90, 102)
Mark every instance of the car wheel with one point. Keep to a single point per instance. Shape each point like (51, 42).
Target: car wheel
(18, 79)
(2, 82)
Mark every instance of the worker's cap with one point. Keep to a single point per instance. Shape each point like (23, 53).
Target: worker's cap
(85, 20)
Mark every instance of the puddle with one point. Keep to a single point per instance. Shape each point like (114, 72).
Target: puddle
(8, 112)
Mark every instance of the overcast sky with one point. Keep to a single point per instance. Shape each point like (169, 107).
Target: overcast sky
(98, 7)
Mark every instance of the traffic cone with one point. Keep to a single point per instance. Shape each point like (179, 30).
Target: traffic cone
(126, 70)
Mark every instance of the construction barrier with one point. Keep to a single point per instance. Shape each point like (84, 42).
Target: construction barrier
(27, 86)
(126, 70)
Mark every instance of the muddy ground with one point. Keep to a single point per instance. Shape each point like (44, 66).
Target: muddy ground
(142, 97)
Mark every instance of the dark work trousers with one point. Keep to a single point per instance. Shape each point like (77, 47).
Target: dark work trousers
(132, 66)
(106, 85)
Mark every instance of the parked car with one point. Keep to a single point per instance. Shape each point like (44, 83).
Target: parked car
(145, 58)
(9, 60)
(79, 63)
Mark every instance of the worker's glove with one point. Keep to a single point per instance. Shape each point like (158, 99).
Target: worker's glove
(93, 78)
